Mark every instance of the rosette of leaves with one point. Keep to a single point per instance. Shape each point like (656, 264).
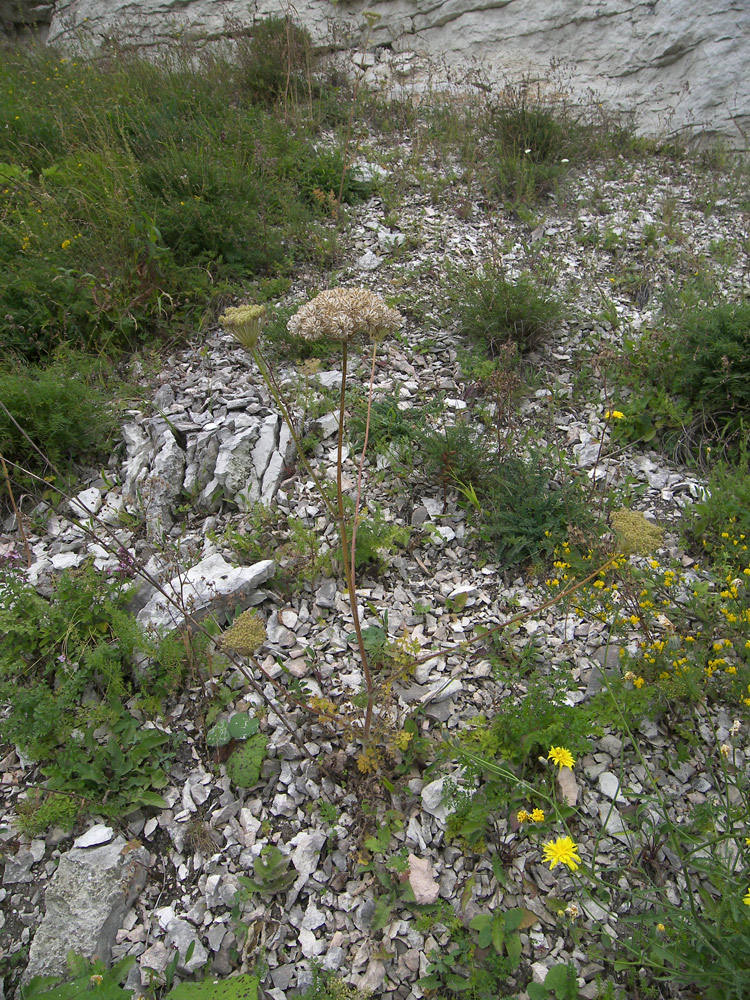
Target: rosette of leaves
(272, 874)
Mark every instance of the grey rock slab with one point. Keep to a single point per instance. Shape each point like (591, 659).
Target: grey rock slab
(95, 836)
(181, 935)
(167, 474)
(609, 785)
(85, 904)
(86, 503)
(211, 585)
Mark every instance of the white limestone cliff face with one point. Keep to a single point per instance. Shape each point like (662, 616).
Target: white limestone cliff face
(679, 65)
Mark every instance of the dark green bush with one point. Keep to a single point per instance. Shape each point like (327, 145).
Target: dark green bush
(143, 189)
(64, 415)
(711, 352)
(498, 310)
(525, 513)
(536, 141)
(275, 62)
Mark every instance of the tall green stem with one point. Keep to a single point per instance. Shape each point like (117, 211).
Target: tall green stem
(349, 566)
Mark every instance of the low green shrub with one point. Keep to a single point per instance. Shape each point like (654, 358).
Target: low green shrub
(711, 355)
(535, 142)
(275, 61)
(134, 193)
(719, 524)
(67, 416)
(79, 640)
(496, 310)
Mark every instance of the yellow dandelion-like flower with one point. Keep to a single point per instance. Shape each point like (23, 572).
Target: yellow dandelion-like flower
(65, 244)
(537, 815)
(245, 635)
(561, 757)
(522, 816)
(661, 928)
(563, 851)
(614, 415)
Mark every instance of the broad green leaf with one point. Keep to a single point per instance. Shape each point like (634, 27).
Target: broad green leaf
(557, 978)
(382, 914)
(513, 947)
(241, 725)
(513, 919)
(234, 988)
(537, 992)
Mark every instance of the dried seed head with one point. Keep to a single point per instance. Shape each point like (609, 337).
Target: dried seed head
(244, 323)
(245, 635)
(345, 313)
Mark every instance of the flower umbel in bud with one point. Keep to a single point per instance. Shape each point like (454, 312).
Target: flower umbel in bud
(245, 635)
(244, 323)
(343, 314)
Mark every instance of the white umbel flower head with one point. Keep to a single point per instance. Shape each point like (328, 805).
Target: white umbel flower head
(343, 314)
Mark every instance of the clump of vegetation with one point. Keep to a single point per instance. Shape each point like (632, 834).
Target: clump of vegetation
(719, 524)
(496, 310)
(66, 416)
(535, 142)
(711, 354)
(136, 193)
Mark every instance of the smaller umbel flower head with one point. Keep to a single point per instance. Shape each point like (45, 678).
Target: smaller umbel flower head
(244, 323)
(245, 635)
(343, 314)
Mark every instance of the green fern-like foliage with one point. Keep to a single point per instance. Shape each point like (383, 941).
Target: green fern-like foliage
(63, 415)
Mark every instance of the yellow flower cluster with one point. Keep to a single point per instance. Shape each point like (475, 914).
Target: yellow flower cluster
(535, 816)
(635, 533)
(245, 635)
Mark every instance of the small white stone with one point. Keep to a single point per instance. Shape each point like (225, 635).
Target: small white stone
(94, 836)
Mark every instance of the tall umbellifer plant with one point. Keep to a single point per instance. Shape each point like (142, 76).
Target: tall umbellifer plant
(343, 315)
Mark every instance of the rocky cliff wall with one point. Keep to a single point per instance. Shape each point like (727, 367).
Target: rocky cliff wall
(679, 65)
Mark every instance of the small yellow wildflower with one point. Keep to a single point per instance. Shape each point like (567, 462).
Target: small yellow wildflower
(746, 897)
(614, 415)
(564, 851)
(561, 757)
(65, 244)
(572, 911)
(522, 816)
(661, 928)
(725, 749)
(537, 816)
(95, 980)
(638, 682)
